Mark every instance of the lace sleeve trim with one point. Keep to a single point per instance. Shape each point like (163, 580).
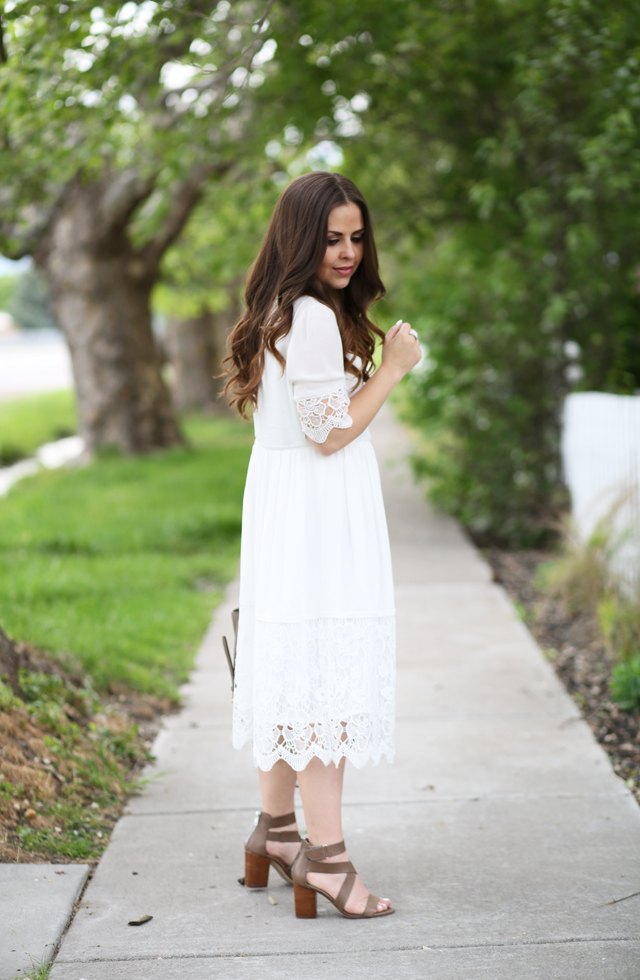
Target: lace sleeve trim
(322, 413)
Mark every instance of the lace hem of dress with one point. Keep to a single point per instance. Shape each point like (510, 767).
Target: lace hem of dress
(300, 760)
(322, 413)
(320, 688)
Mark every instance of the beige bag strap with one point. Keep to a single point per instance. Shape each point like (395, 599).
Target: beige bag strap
(231, 661)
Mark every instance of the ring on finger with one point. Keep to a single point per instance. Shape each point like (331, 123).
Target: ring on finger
(414, 333)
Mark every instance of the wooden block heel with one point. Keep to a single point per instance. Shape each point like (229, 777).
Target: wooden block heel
(305, 900)
(257, 860)
(256, 870)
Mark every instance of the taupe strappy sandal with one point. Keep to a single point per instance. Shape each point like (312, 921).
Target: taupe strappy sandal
(312, 859)
(256, 858)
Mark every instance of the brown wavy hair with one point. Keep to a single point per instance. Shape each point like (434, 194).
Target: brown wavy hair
(285, 269)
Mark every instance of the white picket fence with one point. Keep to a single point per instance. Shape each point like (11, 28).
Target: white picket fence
(601, 460)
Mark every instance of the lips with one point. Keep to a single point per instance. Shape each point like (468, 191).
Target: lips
(344, 270)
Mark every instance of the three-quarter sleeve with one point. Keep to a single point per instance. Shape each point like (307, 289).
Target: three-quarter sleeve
(315, 369)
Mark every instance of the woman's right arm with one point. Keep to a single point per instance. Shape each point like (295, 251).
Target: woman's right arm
(400, 352)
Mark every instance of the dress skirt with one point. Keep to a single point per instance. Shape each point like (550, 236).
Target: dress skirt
(315, 670)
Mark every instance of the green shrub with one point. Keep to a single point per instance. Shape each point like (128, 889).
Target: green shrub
(584, 577)
(29, 304)
(7, 697)
(581, 576)
(625, 684)
(487, 395)
(8, 288)
(619, 618)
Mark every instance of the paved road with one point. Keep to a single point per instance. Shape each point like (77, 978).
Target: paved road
(31, 362)
(500, 833)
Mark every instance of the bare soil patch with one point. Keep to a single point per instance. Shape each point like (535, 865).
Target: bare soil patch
(69, 760)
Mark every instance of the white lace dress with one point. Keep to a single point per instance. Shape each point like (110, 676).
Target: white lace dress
(315, 672)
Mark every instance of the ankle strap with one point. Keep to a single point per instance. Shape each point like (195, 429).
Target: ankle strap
(282, 821)
(322, 851)
(284, 836)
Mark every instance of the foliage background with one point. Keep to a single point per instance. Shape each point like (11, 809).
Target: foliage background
(496, 142)
(499, 149)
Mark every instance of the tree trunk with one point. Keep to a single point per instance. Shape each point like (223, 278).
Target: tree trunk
(223, 324)
(100, 289)
(196, 347)
(9, 662)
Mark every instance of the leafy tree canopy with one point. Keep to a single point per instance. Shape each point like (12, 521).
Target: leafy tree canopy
(206, 269)
(520, 119)
(155, 88)
(499, 144)
(497, 140)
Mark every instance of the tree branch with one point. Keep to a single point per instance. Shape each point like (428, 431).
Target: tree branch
(23, 233)
(186, 196)
(16, 246)
(122, 196)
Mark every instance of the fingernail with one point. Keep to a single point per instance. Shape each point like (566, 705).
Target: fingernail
(397, 322)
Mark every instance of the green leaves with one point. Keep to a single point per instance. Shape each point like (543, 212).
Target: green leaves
(148, 85)
(487, 400)
(498, 145)
(206, 268)
(500, 156)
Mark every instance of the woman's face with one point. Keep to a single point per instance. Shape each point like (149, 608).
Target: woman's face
(344, 246)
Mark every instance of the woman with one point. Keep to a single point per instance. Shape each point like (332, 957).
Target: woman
(315, 673)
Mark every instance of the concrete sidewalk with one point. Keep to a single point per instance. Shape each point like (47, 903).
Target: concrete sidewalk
(36, 903)
(500, 833)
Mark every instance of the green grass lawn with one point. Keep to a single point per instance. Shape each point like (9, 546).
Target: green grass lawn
(28, 422)
(120, 564)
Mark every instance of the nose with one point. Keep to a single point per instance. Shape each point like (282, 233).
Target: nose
(347, 251)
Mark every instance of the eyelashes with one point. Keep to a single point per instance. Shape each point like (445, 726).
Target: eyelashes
(334, 241)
